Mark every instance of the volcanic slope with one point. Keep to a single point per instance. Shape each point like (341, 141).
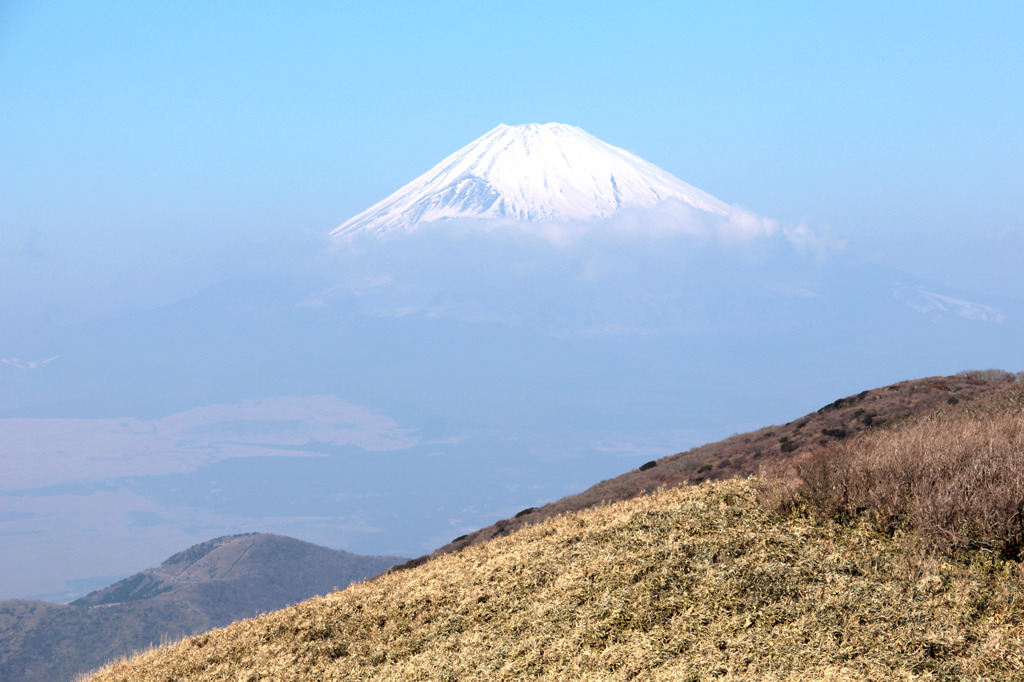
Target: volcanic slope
(208, 585)
(692, 582)
(530, 173)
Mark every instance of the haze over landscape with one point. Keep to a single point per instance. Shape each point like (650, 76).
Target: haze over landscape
(231, 301)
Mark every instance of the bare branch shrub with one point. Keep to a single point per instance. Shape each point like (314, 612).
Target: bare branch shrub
(955, 477)
(987, 375)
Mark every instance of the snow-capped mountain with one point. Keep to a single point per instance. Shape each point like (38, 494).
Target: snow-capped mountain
(534, 173)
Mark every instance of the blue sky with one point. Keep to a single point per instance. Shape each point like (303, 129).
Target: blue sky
(163, 143)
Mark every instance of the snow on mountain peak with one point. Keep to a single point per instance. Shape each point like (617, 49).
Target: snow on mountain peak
(533, 173)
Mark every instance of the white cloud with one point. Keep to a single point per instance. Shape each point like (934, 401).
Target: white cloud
(734, 227)
(741, 225)
(27, 364)
(809, 242)
(926, 301)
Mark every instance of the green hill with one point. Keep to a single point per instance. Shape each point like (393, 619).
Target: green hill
(696, 582)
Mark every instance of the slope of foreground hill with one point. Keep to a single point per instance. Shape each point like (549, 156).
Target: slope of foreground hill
(208, 585)
(687, 583)
(745, 454)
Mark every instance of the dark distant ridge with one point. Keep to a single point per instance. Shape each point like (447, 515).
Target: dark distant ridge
(238, 558)
(205, 586)
(744, 454)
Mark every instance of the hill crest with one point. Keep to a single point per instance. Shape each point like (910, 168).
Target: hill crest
(231, 557)
(744, 454)
(205, 586)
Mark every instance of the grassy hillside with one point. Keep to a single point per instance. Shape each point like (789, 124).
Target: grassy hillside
(892, 553)
(208, 585)
(688, 583)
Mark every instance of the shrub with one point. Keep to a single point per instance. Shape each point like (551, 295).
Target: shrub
(648, 465)
(987, 375)
(956, 478)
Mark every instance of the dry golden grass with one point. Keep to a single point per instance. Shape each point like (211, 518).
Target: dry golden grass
(690, 583)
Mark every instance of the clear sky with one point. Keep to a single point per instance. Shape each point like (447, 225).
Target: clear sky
(162, 143)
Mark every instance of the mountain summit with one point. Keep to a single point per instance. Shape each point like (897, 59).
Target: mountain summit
(531, 173)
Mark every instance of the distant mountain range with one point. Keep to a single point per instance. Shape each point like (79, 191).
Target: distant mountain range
(205, 586)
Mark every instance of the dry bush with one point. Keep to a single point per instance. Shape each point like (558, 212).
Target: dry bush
(955, 477)
(988, 375)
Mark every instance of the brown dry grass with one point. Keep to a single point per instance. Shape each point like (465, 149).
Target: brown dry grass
(955, 477)
(686, 584)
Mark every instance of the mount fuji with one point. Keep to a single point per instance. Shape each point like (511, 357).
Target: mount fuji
(552, 173)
